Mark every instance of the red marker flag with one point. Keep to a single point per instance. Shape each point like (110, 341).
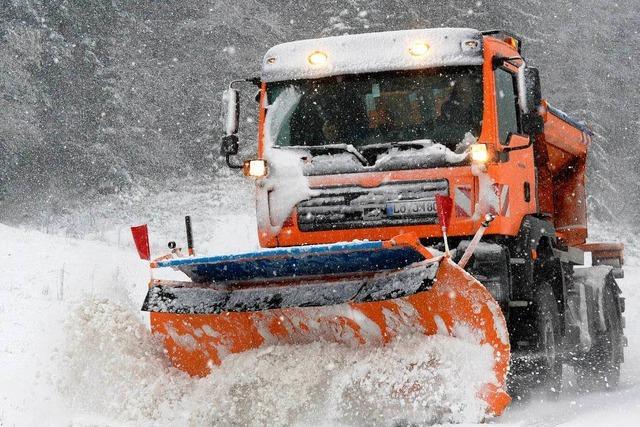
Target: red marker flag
(444, 205)
(141, 239)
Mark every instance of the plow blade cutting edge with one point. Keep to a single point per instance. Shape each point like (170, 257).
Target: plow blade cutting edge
(361, 293)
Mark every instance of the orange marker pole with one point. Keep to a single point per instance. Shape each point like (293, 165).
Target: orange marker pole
(444, 205)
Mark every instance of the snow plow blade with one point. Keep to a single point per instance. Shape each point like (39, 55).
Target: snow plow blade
(361, 293)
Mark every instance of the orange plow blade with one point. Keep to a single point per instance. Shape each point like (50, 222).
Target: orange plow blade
(444, 300)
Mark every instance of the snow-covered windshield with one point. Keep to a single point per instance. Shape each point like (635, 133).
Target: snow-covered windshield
(378, 110)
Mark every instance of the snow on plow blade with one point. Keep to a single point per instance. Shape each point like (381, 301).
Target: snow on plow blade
(361, 293)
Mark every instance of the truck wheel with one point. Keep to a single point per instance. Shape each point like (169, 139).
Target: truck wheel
(600, 367)
(540, 366)
(547, 358)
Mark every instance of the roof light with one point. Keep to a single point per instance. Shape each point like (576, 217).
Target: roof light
(255, 168)
(479, 153)
(419, 48)
(317, 58)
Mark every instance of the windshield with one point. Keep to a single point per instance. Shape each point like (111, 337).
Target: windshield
(438, 104)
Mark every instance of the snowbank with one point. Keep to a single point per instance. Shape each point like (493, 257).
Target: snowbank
(415, 379)
(41, 276)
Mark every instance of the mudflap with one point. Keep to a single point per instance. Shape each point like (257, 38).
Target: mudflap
(202, 322)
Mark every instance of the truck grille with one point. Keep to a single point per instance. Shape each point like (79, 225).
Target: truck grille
(349, 207)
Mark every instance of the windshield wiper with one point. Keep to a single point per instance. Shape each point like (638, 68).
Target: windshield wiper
(349, 148)
(387, 145)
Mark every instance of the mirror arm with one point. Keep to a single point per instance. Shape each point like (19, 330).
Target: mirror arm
(498, 61)
(522, 147)
(253, 80)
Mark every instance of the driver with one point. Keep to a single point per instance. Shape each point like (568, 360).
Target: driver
(345, 119)
(457, 114)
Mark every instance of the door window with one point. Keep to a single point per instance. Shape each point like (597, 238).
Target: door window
(507, 104)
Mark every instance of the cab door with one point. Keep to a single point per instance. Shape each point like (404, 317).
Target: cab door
(512, 176)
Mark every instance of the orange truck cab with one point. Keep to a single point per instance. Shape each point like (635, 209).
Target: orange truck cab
(357, 135)
(405, 108)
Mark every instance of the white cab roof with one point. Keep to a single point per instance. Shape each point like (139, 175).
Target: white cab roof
(373, 52)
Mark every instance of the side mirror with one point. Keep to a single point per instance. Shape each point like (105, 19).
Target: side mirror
(231, 111)
(533, 93)
(231, 117)
(530, 95)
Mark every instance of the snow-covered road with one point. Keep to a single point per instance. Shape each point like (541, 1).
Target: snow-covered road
(75, 350)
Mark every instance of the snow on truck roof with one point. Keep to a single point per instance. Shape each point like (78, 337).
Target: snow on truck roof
(372, 52)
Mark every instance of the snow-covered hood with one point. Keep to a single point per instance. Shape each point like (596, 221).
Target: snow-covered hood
(411, 155)
(373, 52)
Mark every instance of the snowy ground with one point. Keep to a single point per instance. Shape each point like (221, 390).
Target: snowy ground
(75, 350)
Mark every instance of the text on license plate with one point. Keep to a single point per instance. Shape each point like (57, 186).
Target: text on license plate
(412, 208)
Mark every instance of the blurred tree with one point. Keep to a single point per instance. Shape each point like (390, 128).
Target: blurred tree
(98, 94)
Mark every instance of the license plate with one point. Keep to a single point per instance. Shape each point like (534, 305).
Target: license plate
(411, 208)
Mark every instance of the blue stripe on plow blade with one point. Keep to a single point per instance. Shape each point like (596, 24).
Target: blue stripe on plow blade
(297, 262)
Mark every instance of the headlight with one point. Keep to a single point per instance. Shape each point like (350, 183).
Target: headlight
(479, 153)
(255, 168)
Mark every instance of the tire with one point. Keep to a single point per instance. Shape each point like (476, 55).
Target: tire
(548, 341)
(599, 369)
(540, 368)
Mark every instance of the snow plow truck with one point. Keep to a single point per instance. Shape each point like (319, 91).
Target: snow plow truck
(406, 182)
